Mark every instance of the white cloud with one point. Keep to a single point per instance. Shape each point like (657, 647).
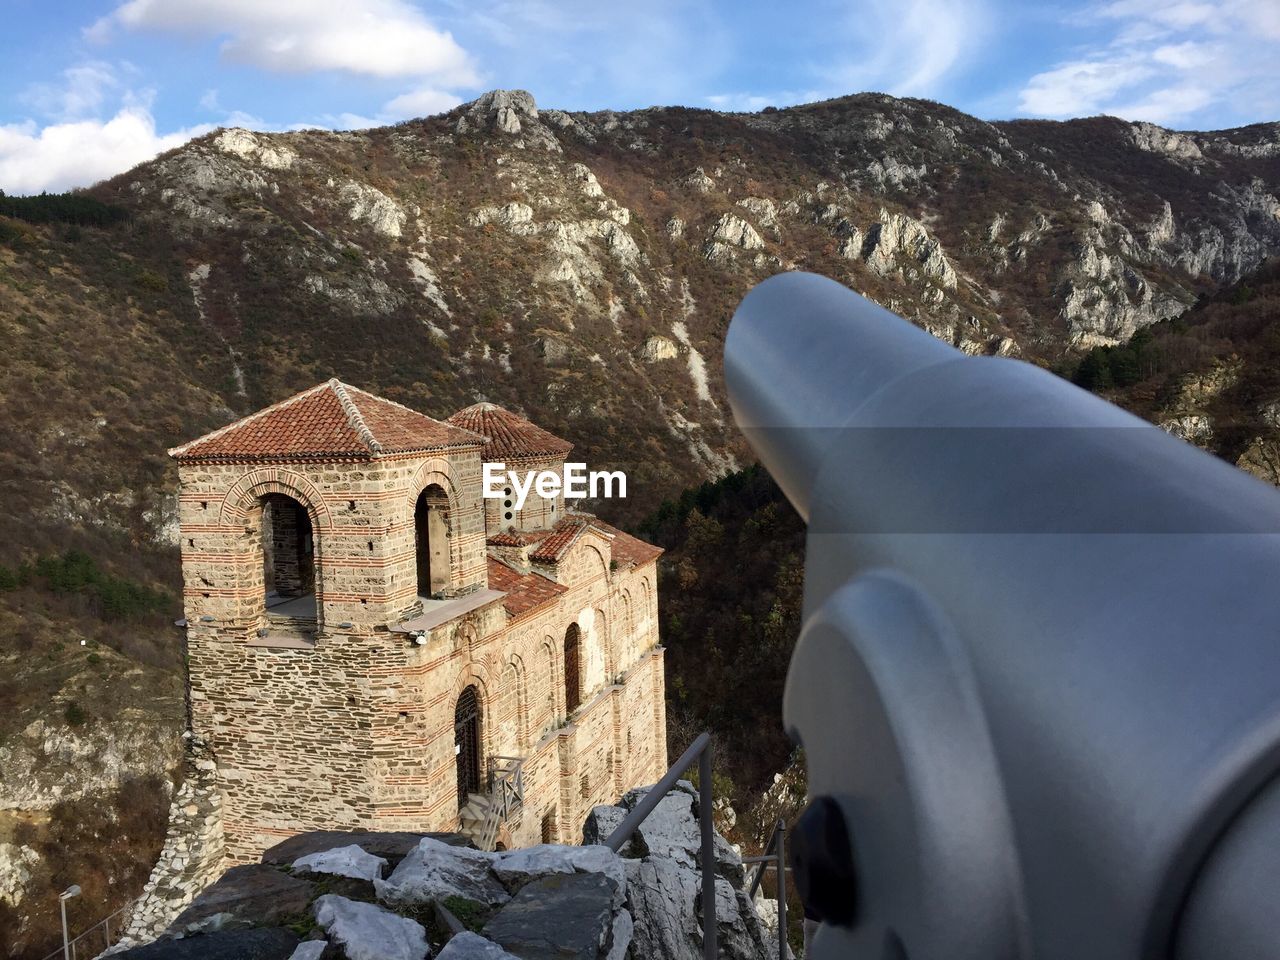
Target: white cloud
(81, 152)
(420, 103)
(82, 91)
(1168, 63)
(907, 47)
(380, 38)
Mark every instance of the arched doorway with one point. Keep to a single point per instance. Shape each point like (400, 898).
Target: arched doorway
(431, 533)
(288, 558)
(572, 668)
(466, 743)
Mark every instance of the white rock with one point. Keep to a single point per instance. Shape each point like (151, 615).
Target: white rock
(1153, 139)
(309, 950)
(348, 861)
(244, 143)
(15, 862)
(737, 232)
(1192, 428)
(472, 946)
(656, 349)
(372, 206)
(435, 870)
(698, 180)
(508, 215)
(762, 208)
(367, 931)
(590, 185)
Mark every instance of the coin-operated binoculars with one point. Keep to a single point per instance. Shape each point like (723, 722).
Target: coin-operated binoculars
(1038, 683)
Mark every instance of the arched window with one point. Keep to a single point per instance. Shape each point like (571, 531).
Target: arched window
(572, 668)
(288, 558)
(626, 645)
(466, 742)
(431, 533)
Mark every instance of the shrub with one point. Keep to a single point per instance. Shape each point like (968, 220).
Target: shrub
(74, 714)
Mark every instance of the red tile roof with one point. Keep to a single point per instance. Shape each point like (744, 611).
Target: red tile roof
(517, 538)
(524, 591)
(628, 550)
(563, 534)
(329, 421)
(510, 436)
(625, 550)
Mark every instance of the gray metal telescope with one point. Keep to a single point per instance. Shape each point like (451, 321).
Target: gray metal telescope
(1038, 682)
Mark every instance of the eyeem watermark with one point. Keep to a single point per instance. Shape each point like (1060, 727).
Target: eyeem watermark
(578, 482)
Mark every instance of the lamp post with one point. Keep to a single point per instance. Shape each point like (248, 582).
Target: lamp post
(63, 897)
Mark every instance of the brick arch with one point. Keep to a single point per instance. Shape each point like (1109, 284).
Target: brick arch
(608, 639)
(436, 472)
(246, 491)
(626, 629)
(555, 672)
(516, 670)
(599, 556)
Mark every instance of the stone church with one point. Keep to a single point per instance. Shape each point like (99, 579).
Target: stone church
(375, 645)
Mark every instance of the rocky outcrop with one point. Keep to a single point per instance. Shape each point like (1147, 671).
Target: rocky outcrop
(658, 348)
(15, 871)
(897, 237)
(731, 232)
(250, 146)
(74, 762)
(513, 113)
(369, 205)
(546, 902)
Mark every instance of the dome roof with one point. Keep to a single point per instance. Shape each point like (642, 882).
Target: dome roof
(510, 436)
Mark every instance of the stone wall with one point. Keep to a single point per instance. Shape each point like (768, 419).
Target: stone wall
(192, 856)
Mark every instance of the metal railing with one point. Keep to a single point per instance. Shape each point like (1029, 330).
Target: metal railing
(775, 852)
(699, 750)
(100, 933)
(506, 794)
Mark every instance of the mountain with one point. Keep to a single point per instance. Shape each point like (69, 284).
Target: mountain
(580, 268)
(1210, 376)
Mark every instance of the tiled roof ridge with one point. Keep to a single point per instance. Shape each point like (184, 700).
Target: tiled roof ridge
(354, 417)
(278, 405)
(481, 439)
(508, 433)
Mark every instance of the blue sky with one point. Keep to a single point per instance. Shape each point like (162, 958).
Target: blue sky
(90, 88)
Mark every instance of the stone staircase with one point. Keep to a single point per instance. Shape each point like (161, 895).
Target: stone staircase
(473, 817)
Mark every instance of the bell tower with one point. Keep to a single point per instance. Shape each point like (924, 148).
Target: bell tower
(309, 530)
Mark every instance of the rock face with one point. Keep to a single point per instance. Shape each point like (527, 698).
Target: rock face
(263, 943)
(558, 917)
(433, 871)
(253, 895)
(15, 864)
(546, 902)
(348, 861)
(366, 931)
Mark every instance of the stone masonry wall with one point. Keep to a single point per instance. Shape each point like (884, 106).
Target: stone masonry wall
(192, 856)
